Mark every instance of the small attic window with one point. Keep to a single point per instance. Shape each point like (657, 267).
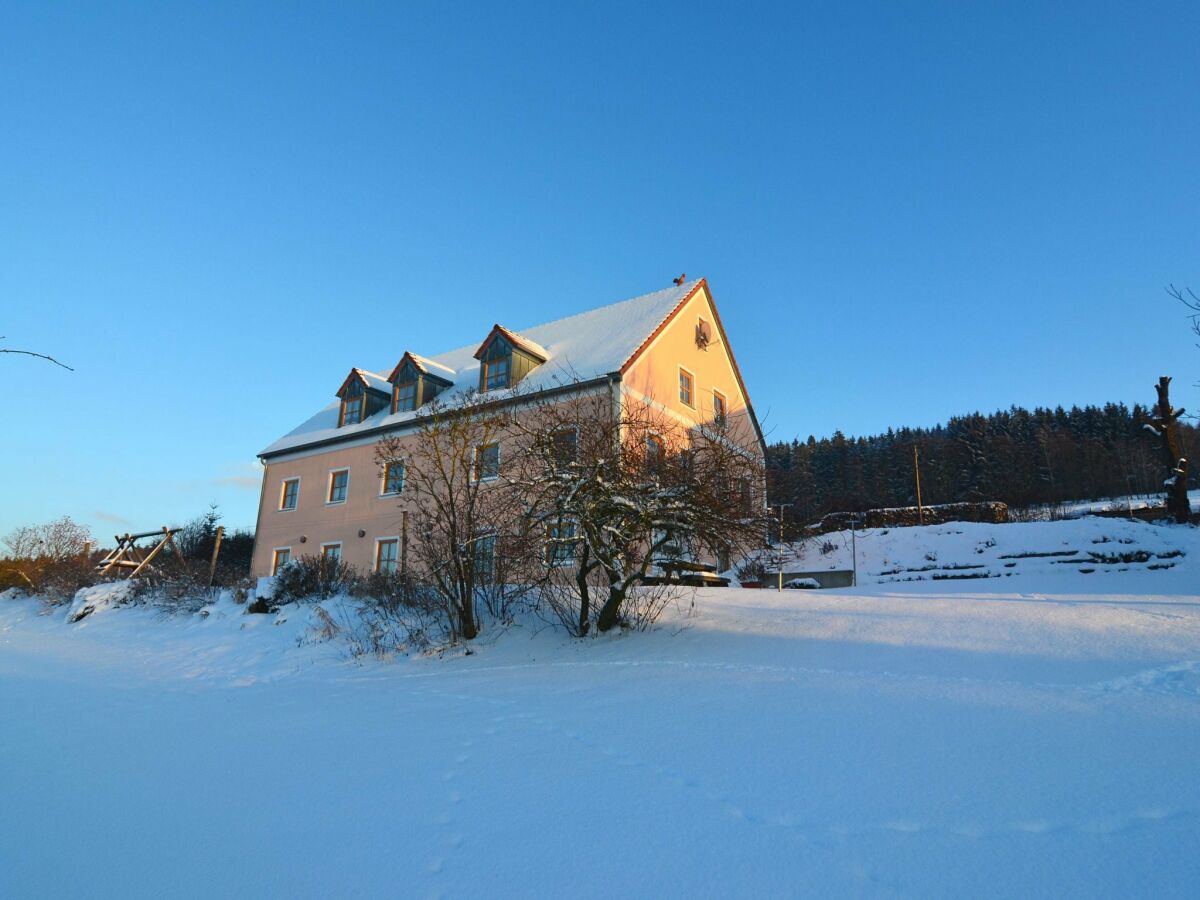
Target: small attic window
(497, 373)
(406, 396)
(352, 408)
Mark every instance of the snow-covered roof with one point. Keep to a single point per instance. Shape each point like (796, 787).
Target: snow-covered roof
(581, 347)
(431, 367)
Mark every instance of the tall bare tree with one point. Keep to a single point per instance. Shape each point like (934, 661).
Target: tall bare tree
(468, 534)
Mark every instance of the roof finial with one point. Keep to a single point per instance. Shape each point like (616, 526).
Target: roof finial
(680, 279)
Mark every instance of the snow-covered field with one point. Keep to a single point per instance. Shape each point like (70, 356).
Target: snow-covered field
(1032, 736)
(959, 551)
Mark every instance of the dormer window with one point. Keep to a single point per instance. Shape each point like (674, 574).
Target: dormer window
(362, 394)
(417, 380)
(351, 411)
(506, 357)
(496, 373)
(406, 396)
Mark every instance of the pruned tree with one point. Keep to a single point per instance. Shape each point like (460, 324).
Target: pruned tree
(1165, 426)
(620, 489)
(469, 541)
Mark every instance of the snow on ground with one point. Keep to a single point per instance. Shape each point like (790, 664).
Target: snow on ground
(1090, 546)
(1022, 737)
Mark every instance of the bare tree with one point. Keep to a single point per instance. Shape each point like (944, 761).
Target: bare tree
(1165, 426)
(31, 353)
(41, 555)
(1191, 300)
(469, 537)
(621, 491)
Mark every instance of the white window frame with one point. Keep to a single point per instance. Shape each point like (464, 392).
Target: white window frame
(337, 544)
(574, 430)
(547, 557)
(383, 491)
(691, 402)
(383, 540)
(275, 551)
(283, 493)
(475, 463)
(721, 419)
(329, 486)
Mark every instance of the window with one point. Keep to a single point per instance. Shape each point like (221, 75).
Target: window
(291, 494)
(393, 478)
(386, 555)
(686, 391)
(283, 555)
(485, 559)
(351, 411)
(496, 373)
(331, 553)
(561, 544)
(564, 448)
(406, 396)
(655, 452)
(487, 462)
(339, 483)
(718, 407)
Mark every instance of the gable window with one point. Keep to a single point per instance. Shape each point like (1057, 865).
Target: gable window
(561, 544)
(487, 462)
(352, 408)
(387, 554)
(406, 396)
(393, 479)
(331, 553)
(290, 495)
(339, 484)
(564, 448)
(718, 407)
(496, 373)
(686, 387)
(283, 556)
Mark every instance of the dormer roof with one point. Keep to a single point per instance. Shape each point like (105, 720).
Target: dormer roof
(369, 380)
(522, 343)
(427, 367)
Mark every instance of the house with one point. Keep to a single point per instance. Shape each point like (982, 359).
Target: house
(323, 492)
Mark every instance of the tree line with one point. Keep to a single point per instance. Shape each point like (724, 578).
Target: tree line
(1019, 456)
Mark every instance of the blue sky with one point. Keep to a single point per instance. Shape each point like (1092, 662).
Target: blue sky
(213, 213)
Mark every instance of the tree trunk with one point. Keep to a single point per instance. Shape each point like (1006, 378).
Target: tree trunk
(610, 612)
(581, 574)
(1177, 467)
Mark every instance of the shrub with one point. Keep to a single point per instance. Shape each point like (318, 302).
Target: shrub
(313, 577)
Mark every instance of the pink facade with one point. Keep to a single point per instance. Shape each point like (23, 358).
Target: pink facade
(668, 349)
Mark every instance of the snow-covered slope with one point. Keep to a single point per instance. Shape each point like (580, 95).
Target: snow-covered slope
(969, 550)
(1017, 737)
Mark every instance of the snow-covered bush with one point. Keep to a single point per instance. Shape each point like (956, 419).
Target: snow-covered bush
(313, 577)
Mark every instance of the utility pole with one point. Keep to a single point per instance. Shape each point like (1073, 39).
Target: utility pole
(917, 471)
(782, 507)
(854, 549)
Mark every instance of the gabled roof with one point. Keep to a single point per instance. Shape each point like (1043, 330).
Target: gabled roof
(582, 347)
(369, 380)
(520, 342)
(425, 366)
